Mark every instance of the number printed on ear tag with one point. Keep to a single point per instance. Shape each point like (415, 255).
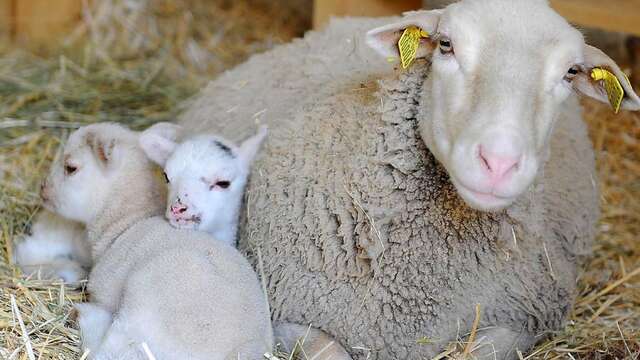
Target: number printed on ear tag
(409, 43)
(612, 85)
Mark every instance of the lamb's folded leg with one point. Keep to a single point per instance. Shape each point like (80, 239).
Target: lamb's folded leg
(94, 321)
(71, 272)
(117, 342)
(56, 249)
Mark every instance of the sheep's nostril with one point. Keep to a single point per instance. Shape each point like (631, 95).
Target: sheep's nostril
(499, 166)
(181, 210)
(483, 159)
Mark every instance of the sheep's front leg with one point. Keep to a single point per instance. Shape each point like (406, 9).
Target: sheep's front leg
(501, 343)
(94, 321)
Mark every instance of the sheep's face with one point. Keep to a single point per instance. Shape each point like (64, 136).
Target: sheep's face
(500, 73)
(206, 182)
(79, 182)
(206, 175)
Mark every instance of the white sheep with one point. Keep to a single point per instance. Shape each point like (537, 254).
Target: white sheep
(173, 291)
(363, 233)
(206, 176)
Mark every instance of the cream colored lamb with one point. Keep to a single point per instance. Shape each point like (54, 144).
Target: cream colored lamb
(172, 292)
(206, 176)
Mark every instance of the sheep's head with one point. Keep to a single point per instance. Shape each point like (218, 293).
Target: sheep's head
(206, 174)
(500, 73)
(81, 180)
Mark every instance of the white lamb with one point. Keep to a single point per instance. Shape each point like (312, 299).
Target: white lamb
(153, 288)
(206, 176)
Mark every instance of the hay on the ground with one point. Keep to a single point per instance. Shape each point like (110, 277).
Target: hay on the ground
(137, 64)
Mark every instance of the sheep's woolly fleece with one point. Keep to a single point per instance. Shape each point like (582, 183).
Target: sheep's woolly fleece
(360, 231)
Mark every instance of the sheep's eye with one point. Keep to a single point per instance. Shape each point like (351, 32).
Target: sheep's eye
(223, 184)
(70, 169)
(571, 73)
(166, 178)
(445, 46)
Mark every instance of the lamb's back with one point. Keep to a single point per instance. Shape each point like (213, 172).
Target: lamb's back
(153, 239)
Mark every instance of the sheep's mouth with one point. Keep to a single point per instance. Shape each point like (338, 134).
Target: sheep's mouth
(481, 200)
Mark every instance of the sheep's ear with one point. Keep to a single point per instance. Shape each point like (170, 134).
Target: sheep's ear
(249, 148)
(102, 147)
(585, 84)
(384, 39)
(159, 141)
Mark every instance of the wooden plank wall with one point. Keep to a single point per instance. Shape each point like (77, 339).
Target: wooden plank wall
(5, 21)
(324, 9)
(36, 23)
(611, 15)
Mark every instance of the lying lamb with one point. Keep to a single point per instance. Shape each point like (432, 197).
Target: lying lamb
(206, 176)
(362, 231)
(175, 291)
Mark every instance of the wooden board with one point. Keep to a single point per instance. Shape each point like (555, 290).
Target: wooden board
(5, 21)
(611, 15)
(40, 21)
(324, 9)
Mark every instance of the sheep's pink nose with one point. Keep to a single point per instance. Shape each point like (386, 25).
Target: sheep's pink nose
(178, 208)
(498, 166)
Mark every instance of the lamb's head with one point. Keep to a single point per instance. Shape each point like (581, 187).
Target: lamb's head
(500, 73)
(206, 174)
(95, 160)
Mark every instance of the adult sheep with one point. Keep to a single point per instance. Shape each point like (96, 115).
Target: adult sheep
(361, 230)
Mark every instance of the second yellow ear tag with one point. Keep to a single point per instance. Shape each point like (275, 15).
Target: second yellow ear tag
(409, 43)
(612, 85)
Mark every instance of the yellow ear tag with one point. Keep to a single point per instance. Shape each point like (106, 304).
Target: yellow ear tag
(612, 85)
(409, 43)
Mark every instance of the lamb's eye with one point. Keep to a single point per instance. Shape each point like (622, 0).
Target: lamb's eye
(223, 184)
(571, 73)
(445, 46)
(166, 178)
(70, 169)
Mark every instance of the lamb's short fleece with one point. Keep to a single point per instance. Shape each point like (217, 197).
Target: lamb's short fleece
(178, 292)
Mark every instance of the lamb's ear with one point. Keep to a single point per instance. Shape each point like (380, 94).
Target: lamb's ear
(249, 148)
(584, 83)
(102, 146)
(384, 39)
(159, 141)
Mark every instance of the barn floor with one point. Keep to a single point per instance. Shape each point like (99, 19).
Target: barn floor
(136, 65)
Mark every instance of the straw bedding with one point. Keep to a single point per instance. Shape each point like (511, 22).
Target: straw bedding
(138, 66)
